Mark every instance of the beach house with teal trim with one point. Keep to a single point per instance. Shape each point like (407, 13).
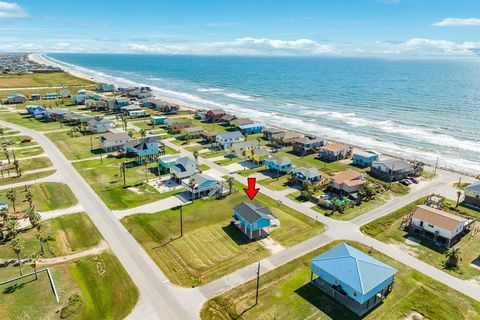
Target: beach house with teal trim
(203, 185)
(364, 158)
(105, 87)
(254, 220)
(15, 98)
(37, 112)
(352, 277)
(157, 120)
(252, 128)
(50, 96)
(282, 165)
(166, 162)
(144, 147)
(310, 175)
(227, 139)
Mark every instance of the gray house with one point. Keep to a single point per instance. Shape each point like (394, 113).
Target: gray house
(15, 98)
(472, 195)
(183, 168)
(99, 125)
(114, 141)
(391, 169)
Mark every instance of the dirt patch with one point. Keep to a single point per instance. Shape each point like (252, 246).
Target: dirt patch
(414, 315)
(62, 241)
(135, 190)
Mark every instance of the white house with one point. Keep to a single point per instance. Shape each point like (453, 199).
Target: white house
(65, 93)
(114, 141)
(472, 194)
(437, 225)
(99, 125)
(226, 139)
(183, 168)
(239, 147)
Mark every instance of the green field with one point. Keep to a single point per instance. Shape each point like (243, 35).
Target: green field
(387, 229)
(26, 177)
(27, 121)
(21, 153)
(285, 293)
(105, 179)
(77, 147)
(210, 246)
(47, 196)
(41, 80)
(95, 287)
(68, 236)
(18, 143)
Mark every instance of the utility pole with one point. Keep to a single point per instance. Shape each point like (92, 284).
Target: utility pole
(101, 159)
(123, 173)
(258, 284)
(436, 165)
(91, 143)
(181, 221)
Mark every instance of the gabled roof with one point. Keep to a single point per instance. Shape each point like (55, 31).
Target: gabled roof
(474, 187)
(345, 176)
(245, 144)
(252, 212)
(183, 163)
(365, 153)
(230, 135)
(216, 111)
(307, 172)
(194, 129)
(439, 218)
(115, 136)
(353, 267)
(280, 161)
(200, 178)
(335, 147)
(243, 121)
(394, 164)
(98, 120)
(228, 117)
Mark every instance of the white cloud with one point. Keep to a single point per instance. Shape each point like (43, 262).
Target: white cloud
(429, 47)
(241, 46)
(457, 22)
(11, 10)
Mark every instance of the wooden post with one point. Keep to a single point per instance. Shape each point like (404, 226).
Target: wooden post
(181, 221)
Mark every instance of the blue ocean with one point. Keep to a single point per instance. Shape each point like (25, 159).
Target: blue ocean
(420, 109)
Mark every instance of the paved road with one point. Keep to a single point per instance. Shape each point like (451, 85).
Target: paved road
(158, 298)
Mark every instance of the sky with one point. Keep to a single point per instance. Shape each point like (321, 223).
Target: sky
(420, 28)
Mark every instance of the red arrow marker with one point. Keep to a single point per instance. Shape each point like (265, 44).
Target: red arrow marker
(251, 191)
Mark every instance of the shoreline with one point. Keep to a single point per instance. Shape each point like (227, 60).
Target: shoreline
(39, 58)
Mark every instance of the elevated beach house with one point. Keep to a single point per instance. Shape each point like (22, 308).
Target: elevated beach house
(304, 146)
(166, 162)
(225, 140)
(270, 131)
(251, 128)
(15, 98)
(120, 102)
(346, 182)
(158, 120)
(105, 87)
(227, 119)
(351, 277)
(442, 227)
(391, 169)
(177, 127)
(215, 115)
(192, 132)
(65, 93)
(284, 138)
(183, 168)
(51, 96)
(239, 149)
(100, 125)
(472, 195)
(55, 114)
(253, 220)
(334, 151)
(144, 148)
(364, 158)
(76, 118)
(209, 136)
(203, 185)
(114, 141)
(306, 175)
(37, 112)
(279, 164)
(241, 121)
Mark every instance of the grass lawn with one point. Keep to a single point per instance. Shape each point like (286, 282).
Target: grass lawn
(203, 167)
(68, 236)
(22, 153)
(311, 161)
(47, 196)
(212, 154)
(105, 179)
(35, 163)
(227, 161)
(77, 147)
(276, 184)
(95, 287)
(286, 293)
(169, 150)
(17, 140)
(26, 177)
(41, 80)
(27, 121)
(387, 229)
(210, 247)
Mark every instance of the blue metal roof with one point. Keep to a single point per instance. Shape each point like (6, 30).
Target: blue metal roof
(353, 267)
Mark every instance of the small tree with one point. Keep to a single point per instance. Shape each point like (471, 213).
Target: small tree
(307, 190)
(453, 257)
(459, 194)
(143, 133)
(12, 197)
(33, 263)
(6, 153)
(2, 132)
(16, 165)
(191, 185)
(12, 228)
(29, 198)
(42, 238)
(17, 247)
(230, 183)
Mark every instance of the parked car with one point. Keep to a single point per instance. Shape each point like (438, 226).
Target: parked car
(26, 140)
(412, 179)
(405, 182)
(8, 142)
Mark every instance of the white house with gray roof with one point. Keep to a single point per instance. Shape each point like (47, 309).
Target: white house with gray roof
(472, 194)
(99, 125)
(183, 168)
(114, 141)
(227, 139)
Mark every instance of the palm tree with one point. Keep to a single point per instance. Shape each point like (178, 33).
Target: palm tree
(18, 171)
(191, 185)
(34, 217)
(143, 133)
(12, 228)
(187, 138)
(231, 183)
(453, 257)
(195, 155)
(29, 198)
(4, 213)
(33, 263)
(17, 247)
(307, 190)
(42, 238)
(259, 140)
(12, 197)
(6, 153)
(459, 194)
(2, 132)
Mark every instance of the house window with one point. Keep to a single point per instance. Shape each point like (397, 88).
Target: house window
(421, 223)
(431, 225)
